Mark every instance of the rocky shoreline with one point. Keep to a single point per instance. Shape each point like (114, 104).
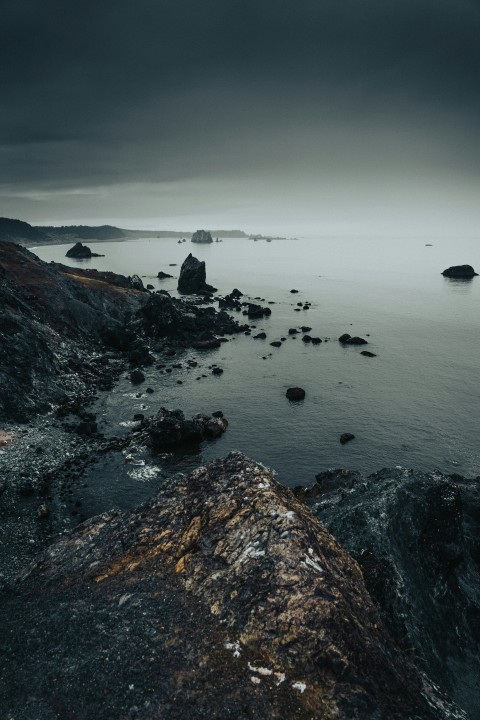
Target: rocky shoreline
(101, 614)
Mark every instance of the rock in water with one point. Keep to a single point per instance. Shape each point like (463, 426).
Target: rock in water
(464, 272)
(202, 236)
(192, 277)
(222, 594)
(295, 393)
(81, 252)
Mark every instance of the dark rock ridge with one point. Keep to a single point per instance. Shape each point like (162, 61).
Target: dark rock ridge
(81, 252)
(16, 230)
(202, 236)
(192, 279)
(464, 272)
(416, 538)
(220, 597)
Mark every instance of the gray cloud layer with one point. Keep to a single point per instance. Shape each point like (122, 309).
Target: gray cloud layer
(155, 91)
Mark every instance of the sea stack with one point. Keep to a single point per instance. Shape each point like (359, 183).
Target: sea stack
(81, 252)
(202, 236)
(192, 277)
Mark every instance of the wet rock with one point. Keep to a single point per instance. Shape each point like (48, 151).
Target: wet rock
(138, 417)
(43, 511)
(192, 279)
(464, 272)
(222, 594)
(305, 329)
(276, 343)
(86, 427)
(347, 339)
(294, 291)
(257, 311)
(217, 371)
(316, 340)
(293, 331)
(346, 437)
(170, 430)
(137, 377)
(306, 339)
(260, 336)
(163, 275)
(367, 353)
(150, 287)
(295, 393)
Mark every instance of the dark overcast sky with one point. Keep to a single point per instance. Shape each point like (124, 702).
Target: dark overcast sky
(305, 114)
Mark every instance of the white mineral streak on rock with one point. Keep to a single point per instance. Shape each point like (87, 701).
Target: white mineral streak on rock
(311, 563)
(260, 670)
(300, 686)
(234, 647)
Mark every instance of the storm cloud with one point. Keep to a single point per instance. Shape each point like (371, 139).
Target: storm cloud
(234, 108)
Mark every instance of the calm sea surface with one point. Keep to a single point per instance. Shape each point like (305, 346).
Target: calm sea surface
(416, 404)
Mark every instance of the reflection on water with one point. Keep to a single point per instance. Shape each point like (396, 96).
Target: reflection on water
(416, 404)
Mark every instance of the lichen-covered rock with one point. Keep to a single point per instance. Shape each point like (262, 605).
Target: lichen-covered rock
(221, 597)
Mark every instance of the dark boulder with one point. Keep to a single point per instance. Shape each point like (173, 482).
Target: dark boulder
(202, 236)
(293, 331)
(462, 272)
(217, 371)
(347, 339)
(306, 339)
(257, 311)
(163, 275)
(316, 340)
(137, 377)
(260, 336)
(192, 277)
(346, 437)
(367, 353)
(295, 393)
(276, 343)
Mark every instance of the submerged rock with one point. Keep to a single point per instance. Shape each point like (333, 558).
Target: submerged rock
(192, 277)
(163, 275)
(464, 272)
(346, 437)
(222, 595)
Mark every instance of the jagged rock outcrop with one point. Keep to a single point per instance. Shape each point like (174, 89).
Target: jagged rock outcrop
(416, 538)
(463, 272)
(192, 279)
(222, 596)
(170, 430)
(202, 236)
(81, 252)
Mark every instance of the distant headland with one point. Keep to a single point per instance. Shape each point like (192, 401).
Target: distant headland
(22, 232)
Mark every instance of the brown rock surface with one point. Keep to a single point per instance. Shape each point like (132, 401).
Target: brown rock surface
(221, 597)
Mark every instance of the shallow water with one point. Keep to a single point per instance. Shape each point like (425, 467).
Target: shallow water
(415, 404)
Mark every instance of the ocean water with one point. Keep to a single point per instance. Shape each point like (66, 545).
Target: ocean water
(415, 405)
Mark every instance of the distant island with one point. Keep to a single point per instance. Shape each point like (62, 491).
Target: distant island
(23, 233)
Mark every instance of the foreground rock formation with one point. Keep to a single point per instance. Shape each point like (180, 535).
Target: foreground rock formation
(220, 597)
(416, 538)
